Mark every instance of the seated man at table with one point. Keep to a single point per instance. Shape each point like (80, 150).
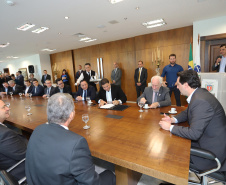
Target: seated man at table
(16, 89)
(156, 95)
(84, 91)
(12, 146)
(206, 118)
(28, 87)
(37, 90)
(62, 88)
(49, 90)
(58, 156)
(6, 88)
(110, 93)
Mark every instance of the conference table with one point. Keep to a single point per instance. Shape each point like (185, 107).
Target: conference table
(130, 139)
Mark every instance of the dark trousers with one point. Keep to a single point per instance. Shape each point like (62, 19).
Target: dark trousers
(107, 177)
(140, 89)
(176, 94)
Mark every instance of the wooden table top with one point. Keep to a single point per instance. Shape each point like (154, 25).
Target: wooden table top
(135, 141)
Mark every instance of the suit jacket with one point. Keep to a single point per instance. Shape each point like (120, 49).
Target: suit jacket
(9, 89)
(143, 77)
(39, 91)
(66, 89)
(116, 93)
(59, 156)
(207, 127)
(116, 76)
(78, 73)
(163, 97)
(29, 90)
(20, 80)
(18, 89)
(52, 91)
(91, 92)
(214, 68)
(48, 77)
(12, 149)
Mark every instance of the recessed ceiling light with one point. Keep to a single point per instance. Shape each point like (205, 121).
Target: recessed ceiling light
(85, 38)
(137, 8)
(59, 33)
(12, 57)
(66, 17)
(10, 3)
(40, 30)
(101, 26)
(4, 45)
(155, 23)
(25, 27)
(48, 49)
(91, 40)
(115, 1)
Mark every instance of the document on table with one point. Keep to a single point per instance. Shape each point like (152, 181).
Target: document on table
(107, 106)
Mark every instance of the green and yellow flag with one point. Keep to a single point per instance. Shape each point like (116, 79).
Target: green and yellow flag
(190, 63)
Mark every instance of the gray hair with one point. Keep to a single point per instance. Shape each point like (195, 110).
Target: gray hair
(11, 82)
(157, 77)
(59, 108)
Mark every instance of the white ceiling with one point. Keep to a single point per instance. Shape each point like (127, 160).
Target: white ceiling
(86, 15)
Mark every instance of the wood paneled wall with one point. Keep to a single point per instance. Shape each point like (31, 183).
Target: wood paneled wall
(128, 52)
(64, 60)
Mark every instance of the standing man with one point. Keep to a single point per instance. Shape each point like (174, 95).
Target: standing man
(12, 146)
(87, 75)
(58, 156)
(220, 63)
(20, 78)
(45, 77)
(170, 71)
(85, 90)
(37, 90)
(49, 90)
(78, 73)
(206, 118)
(140, 78)
(156, 95)
(116, 75)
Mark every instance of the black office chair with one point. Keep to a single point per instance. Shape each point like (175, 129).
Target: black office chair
(7, 179)
(212, 173)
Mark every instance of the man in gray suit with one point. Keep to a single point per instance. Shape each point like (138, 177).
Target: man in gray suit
(156, 95)
(58, 156)
(116, 75)
(206, 119)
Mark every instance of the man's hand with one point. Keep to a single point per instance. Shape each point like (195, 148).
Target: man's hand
(116, 102)
(113, 81)
(143, 100)
(43, 95)
(218, 60)
(168, 119)
(26, 94)
(79, 98)
(165, 125)
(154, 105)
(164, 84)
(138, 84)
(102, 102)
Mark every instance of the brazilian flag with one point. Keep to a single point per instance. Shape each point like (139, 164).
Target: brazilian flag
(190, 63)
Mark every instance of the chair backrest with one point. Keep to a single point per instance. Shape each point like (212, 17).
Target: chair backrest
(7, 179)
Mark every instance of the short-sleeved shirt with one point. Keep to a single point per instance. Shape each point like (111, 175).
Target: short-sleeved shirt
(171, 74)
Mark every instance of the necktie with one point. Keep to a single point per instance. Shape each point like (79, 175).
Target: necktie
(139, 75)
(48, 90)
(154, 98)
(85, 94)
(6, 90)
(35, 89)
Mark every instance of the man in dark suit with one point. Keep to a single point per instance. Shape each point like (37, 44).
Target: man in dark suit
(16, 89)
(49, 90)
(28, 87)
(12, 146)
(62, 88)
(88, 76)
(6, 88)
(45, 77)
(206, 119)
(84, 91)
(37, 90)
(58, 156)
(220, 63)
(20, 78)
(140, 78)
(110, 93)
(116, 75)
(78, 73)
(156, 95)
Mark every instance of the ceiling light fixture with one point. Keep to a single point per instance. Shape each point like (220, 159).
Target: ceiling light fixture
(66, 17)
(4, 45)
(115, 1)
(48, 49)
(155, 23)
(40, 30)
(25, 27)
(12, 57)
(85, 38)
(91, 40)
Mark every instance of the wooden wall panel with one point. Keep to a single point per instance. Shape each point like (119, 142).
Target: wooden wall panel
(63, 60)
(128, 52)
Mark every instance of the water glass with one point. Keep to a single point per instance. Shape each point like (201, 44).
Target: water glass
(28, 108)
(140, 104)
(85, 118)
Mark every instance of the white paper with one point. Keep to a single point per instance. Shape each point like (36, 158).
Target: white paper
(107, 106)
